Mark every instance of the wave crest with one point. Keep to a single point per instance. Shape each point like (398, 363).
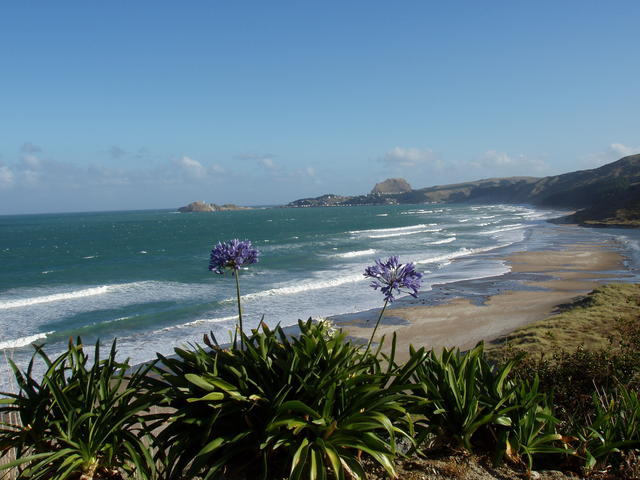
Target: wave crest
(56, 297)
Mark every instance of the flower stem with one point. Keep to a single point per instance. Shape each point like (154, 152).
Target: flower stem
(386, 302)
(237, 274)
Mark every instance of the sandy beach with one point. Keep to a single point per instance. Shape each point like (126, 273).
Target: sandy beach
(543, 280)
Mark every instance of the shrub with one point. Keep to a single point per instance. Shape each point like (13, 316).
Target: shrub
(473, 404)
(572, 376)
(532, 430)
(462, 394)
(614, 427)
(295, 407)
(84, 419)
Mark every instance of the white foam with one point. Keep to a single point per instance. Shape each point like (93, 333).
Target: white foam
(56, 297)
(382, 215)
(200, 321)
(401, 234)
(445, 257)
(444, 240)
(305, 287)
(389, 230)
(355, 253)
(416, 212)
(90, 256)
(463, 252)
(22, 342)
(506, 228)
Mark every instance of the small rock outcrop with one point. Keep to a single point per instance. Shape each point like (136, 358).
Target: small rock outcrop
(391, 186)
(201, 206)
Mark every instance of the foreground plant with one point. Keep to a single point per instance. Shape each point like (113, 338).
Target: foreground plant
(392, 277)
(463, 394)
(233, 255)
(84, 420)
(532, 430)
(294, 407)
(614, 428)
(470, 403)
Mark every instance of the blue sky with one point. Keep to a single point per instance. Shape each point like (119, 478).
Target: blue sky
(126, 105)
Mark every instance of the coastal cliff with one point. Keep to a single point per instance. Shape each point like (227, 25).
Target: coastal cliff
(608, 195)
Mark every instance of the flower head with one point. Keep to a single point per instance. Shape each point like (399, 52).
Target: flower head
(232, 255)
(393, 276)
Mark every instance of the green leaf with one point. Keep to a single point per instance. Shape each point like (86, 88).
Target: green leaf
(201, 382)
(213, 396)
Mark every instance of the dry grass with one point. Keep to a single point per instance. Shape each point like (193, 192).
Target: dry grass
(591, 321)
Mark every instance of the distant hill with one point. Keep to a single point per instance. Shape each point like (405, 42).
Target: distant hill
(608, 195)
(392, 185)
(621, 209)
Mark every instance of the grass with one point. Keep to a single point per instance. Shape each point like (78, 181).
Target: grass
(591, 322)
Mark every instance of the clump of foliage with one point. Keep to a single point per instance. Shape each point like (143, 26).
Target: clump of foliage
(595, 390)
(470, 403)
(613, 428)
(84, 419)
(573, 376)
(281, 407)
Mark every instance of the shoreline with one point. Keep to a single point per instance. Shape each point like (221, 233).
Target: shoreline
(461, 314)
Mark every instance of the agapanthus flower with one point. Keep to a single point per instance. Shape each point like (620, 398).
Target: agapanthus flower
(232, 255)
(391, 277)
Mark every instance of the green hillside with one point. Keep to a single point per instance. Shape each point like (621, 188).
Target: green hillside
(608, 195)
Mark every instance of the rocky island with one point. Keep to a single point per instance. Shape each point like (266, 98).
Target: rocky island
(201, 206)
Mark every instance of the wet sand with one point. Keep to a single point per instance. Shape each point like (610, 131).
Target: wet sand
(553, 278)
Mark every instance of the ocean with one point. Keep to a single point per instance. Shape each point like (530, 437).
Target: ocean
(141, 276)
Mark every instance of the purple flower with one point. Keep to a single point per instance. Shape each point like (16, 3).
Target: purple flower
(232, 255)
(393, 276)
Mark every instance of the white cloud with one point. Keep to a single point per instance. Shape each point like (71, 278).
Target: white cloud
(217, 169)
(497, 163)
(30, 171)
(267, 162)
(192, 168)
(31, 162)
(401, 157)
(623, 150)
(613, 152)
(6, 177)
(493, 158)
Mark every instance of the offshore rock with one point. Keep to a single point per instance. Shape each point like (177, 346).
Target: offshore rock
(201, 206)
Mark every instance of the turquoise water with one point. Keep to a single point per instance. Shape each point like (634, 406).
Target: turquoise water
(142, 276)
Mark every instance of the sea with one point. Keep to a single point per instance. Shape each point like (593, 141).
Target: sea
(142, 276)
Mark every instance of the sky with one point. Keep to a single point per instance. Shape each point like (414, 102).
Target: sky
(124, 105)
